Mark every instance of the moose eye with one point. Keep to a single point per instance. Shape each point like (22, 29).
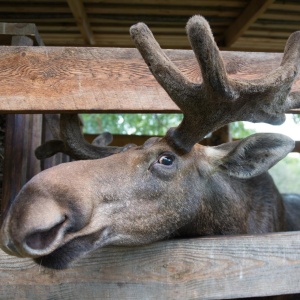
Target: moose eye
(166, 160)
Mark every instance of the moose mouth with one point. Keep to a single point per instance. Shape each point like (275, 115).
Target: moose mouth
(62, 257)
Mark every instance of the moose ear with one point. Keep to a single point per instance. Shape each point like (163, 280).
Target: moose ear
(255, 154)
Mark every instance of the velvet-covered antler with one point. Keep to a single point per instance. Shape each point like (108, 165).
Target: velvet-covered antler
(218, 100)
(72, 142)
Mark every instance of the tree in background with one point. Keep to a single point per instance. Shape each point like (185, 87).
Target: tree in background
(137, 124)
(144, 124)
(296, 118)
(286, 174)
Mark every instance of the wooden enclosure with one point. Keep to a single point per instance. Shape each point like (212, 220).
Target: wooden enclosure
(60, 79)
(239, 25)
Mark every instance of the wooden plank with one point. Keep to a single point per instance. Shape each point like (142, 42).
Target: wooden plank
(217, 3)
(283, 7)
(119, 26)
(34, 8)
(152, 22)
(280, 16)
(39, 18)
(54, 79)
(22, 136)
(175, 30)
(200, 268)
(275, 26)
(269, 33)
(57, 28)
(297, 147)
(249, 15)
(259, 43)
(160, 10)
(79, 13)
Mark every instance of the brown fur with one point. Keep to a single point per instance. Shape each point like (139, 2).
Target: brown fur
(145, 201)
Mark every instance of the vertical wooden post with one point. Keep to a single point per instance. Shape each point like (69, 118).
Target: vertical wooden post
(23, 134)
(50, 132)
(220, 136)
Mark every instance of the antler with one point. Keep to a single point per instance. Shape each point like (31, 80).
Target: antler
(73, 143)
(218, 100)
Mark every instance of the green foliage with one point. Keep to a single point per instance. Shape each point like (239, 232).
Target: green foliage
(238, 130)
(144, 124)
(286, 174)
(296, 118)
(138, 124)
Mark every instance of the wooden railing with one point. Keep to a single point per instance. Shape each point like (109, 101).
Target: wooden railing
(61, 79)
(66, 79)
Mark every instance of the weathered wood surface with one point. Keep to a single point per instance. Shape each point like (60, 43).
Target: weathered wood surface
(53, 79)
(207, 268)
(23, 135)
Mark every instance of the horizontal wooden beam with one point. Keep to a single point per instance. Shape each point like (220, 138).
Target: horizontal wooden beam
(195, 3)
(79, 13)
(157, 10)
(66, 79)
(250, 14)
(200, 268)
(261, 44)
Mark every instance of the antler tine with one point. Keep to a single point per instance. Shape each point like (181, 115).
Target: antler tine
(218, 100)
(78, 147)
(163, 69)
(73, 143)
(290, 67)
(272, 93)
(208, 56)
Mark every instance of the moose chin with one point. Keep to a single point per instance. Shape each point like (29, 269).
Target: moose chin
(170, 186)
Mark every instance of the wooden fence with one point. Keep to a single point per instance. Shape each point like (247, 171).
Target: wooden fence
(201, 268)
(61, 79)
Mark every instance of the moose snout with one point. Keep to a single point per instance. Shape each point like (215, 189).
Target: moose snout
(44, 217)
(37, 235)
(42, 241)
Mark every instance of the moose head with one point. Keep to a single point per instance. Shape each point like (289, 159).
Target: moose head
(170, 186)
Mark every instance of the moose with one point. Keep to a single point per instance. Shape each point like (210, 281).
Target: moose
(170, 186)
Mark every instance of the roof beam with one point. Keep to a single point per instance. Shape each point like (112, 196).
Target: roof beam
(81, 18)
(250, 14)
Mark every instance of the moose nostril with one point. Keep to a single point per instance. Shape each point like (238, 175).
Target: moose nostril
(43, 238)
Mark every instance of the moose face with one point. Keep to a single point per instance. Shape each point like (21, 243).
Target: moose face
(142, 195)
(131, 198)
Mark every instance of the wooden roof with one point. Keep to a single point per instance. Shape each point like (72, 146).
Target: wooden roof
(247, 25)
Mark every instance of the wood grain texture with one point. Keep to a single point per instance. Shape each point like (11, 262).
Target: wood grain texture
(55, 79)
(23, 135)
(207, 268)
